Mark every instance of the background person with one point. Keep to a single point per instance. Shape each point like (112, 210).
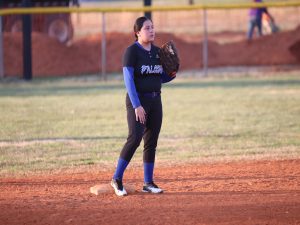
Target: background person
(256, 15)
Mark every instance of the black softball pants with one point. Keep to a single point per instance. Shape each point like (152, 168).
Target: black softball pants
(148, 131)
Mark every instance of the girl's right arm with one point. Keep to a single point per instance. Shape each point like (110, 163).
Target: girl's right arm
(130, 86)
(140, 114)
(128, 72)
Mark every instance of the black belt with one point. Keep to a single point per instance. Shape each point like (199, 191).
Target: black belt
(150, 94)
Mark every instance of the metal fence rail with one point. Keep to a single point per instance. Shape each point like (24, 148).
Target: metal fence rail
(42, 10)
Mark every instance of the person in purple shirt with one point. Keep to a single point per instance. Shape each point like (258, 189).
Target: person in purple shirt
(143, 77)
(255, 15)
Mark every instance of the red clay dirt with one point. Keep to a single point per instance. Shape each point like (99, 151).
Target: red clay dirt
(245, 192)
(295, 49)
(51, 58)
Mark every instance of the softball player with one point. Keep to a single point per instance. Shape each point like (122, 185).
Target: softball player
(143, 76)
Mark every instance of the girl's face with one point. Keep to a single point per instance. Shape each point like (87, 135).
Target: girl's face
(147, 33)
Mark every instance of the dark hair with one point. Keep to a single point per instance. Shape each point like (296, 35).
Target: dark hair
(139, 24)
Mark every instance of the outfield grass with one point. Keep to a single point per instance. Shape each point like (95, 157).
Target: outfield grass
(67, 123)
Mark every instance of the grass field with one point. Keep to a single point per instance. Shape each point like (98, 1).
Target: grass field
(73, 123)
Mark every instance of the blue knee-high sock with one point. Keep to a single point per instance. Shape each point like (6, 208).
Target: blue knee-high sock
(122, 164)
(148, 172)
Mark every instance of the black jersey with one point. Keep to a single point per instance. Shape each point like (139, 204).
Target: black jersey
(146, 65)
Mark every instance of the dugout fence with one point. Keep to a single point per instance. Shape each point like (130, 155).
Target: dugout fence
(100, 25)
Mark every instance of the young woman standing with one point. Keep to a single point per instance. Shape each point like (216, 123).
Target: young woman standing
(143, 76)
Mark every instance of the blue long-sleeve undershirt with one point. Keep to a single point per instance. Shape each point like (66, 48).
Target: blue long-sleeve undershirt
(130, 86)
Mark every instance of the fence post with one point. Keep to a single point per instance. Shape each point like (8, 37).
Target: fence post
(103, 48)
(148, 14)
(1, 51)
(205, 44)
(27, 54)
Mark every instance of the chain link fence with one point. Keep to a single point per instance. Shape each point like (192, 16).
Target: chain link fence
(83, 53)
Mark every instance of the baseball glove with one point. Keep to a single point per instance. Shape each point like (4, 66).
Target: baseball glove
(169, 58)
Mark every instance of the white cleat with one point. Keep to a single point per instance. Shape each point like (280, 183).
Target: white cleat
(118, 187)
(152, 188)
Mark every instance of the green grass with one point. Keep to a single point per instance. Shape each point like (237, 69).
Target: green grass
(51, 124)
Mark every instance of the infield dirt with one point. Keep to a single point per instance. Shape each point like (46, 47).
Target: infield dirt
(246, 192)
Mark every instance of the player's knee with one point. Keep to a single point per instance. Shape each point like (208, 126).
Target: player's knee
(135, 139)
